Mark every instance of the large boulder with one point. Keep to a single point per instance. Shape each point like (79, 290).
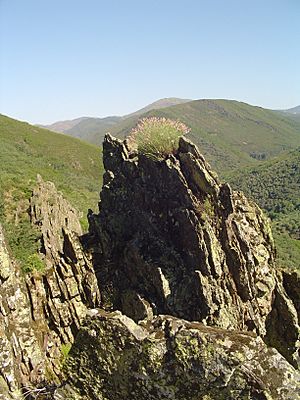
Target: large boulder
(167, 358)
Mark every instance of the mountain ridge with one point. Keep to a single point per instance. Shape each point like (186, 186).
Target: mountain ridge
(69, 126)
(293, 110)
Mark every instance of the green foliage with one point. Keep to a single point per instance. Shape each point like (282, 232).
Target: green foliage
(33, 263)
(84, 224)
(65, 349)
(74, 166)
(23, 239)
(24, 243)
(157, 137)
(25, 151)
(288, 251)
(275, 186)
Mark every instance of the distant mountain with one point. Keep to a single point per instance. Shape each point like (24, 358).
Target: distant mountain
(62, 126)
(93, 129)
(162, 103)
(232, 135)
(292, 113)
(294, 110)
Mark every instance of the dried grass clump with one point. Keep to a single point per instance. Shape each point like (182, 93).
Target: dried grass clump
(157, 137)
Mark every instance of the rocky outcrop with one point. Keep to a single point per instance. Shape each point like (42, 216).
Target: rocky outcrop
(61, 295)
(19, 355)
(174, 240)
(169, 358)
(41, 312)
(171, 239)
(171, 245)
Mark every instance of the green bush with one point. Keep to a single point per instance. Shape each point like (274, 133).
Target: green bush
(157, 137)
(65, 349)
(33, 263)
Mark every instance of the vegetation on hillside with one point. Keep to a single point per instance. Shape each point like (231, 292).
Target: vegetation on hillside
(25, 151)
(275, 186)
(235, 135)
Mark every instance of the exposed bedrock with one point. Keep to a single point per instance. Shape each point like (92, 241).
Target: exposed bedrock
(171, 239)
(113, 358)
(41, 312)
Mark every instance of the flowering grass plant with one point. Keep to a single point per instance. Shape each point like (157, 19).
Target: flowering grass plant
(157, 137)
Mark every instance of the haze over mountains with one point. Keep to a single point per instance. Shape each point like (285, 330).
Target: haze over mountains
(88, 125)
(294, 110)
(214, 121)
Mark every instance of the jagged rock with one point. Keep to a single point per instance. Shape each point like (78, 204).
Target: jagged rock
(42, 311)
(291, 283)
(189, 246)
(19, 355)
(169, 239)
(283, 327)
(113, 358)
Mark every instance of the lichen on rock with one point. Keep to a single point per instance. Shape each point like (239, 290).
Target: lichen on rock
(39, 312)
(189, 291)
(191, 247)
(169, 358)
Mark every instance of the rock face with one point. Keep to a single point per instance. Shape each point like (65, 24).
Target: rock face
(283, 330)
(19, 354)
(40, 313)
(68, 286)
(170, 245)
(170, 239)
(169, 358)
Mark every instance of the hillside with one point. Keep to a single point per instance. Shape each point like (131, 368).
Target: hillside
(91, 129)
(245, 144)
(230, 134)
(74, 167)
(275, 186)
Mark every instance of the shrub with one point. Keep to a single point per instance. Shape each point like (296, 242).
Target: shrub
(65, 349)
(157, 137)
(33, 263)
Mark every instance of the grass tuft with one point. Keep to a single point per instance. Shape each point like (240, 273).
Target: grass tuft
(156, 138)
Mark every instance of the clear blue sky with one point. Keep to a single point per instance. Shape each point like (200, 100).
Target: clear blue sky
(61, 59)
